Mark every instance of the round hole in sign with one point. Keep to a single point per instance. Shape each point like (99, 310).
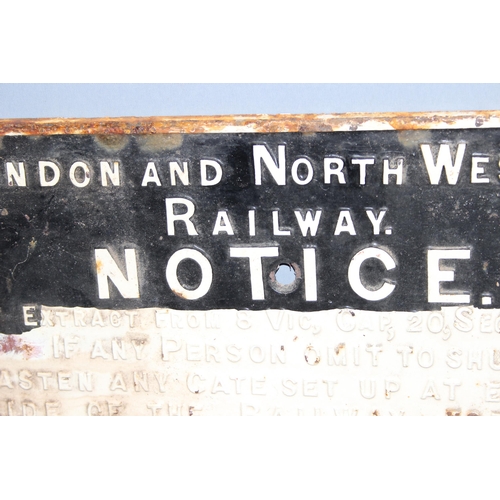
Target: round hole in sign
(285, 276)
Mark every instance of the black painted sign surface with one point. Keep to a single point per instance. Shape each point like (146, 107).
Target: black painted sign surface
(379, 220)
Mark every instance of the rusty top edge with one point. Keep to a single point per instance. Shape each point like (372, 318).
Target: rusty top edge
(251, 123)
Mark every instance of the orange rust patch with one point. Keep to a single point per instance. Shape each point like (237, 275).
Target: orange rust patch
(453, 412)
(98, 265)
(13, 343)
(27, 349)
(339, 348)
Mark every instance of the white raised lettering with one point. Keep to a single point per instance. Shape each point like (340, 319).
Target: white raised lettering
(181, 173)
(107, 267)
(353, 273)
(83, 179)
(112, 174)
(183, 217)
(443, 160)
(308, 223)
(206, 274)
(261, 153)
(376, 221)
(255, 256)
(310, 281)
(436, 276)
(363, 163)
(205, 181)
(151, 175)
(223, 224)
(295, 171)
(42, 170)
(344, 224)
(476, 170)
(329, 171)
(17, 176)
(398, 171)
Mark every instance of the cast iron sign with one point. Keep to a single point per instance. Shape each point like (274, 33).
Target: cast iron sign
(384, 215)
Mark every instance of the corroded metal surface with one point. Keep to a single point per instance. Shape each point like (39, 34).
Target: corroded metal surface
(252, 123)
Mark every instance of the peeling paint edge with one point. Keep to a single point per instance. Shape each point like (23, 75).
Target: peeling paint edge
(251, 123)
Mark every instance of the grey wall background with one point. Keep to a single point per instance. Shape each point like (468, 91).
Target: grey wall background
(95, 100)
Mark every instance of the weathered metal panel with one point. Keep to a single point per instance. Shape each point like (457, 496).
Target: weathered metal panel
(268, 265)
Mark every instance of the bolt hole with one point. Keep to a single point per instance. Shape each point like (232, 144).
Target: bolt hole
(285, 274)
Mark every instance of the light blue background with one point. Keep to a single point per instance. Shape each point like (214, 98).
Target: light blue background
(99, 100)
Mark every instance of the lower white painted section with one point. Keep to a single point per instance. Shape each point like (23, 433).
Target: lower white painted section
(276, 362)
